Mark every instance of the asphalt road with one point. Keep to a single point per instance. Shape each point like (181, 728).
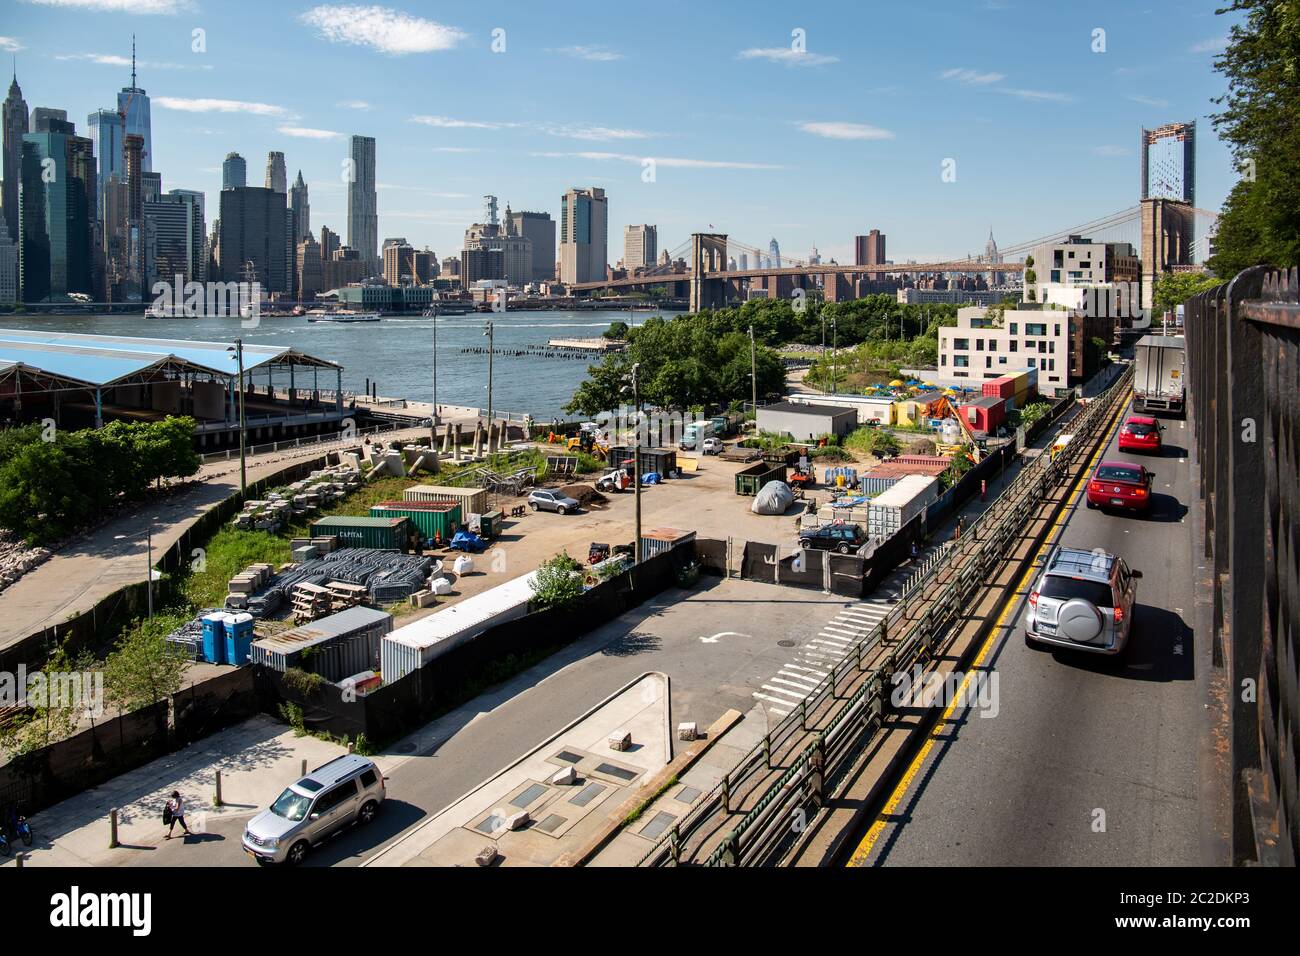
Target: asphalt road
(718, 645)
(1088, 761)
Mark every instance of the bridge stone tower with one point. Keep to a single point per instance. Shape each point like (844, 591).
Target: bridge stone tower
(708, 255)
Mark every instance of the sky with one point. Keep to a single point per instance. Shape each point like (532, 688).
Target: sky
(931, 120)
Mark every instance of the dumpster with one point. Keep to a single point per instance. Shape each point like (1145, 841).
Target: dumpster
(490, 524)
(750, 480)
(435, 520)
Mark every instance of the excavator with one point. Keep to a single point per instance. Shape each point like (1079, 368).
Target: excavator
(942, 407)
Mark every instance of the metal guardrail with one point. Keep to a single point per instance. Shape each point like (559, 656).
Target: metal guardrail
(821, 756)
(1243, 358)
(316, 442)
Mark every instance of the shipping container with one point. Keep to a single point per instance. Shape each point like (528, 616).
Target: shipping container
(435, 520)
(339, 645)
(750, 480)
(658, 540)
(413, 645)
(471, 500)
(383, 534)
(662, 461)
(1004, 387)
(986, 414)
(894, 508)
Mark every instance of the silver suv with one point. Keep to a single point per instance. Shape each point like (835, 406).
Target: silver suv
(347, 789)
(1082, 600)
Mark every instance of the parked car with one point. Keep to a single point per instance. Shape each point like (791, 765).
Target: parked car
(1082, 600)
(557, 501)
(713, 446)
(1140, 433)
(1120, 484)
(347, 790)
(833, 537)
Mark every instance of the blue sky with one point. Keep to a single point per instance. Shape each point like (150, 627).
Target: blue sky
(748, 135)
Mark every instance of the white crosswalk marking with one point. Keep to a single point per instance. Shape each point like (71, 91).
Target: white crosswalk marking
(835, 641)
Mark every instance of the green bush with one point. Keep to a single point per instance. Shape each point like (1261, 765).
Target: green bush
(558, 583)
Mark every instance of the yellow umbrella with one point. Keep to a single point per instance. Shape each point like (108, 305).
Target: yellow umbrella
(895, 384)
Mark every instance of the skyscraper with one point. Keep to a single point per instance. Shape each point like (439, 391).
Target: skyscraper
(8, 267)
(869, 250)
(176, 236)
(48, 120)
(15, 128)
(276, 178)
(57, 207)
(234, 172)
(105, 130)
(584, 231)
(1169, 162)
(363, 200)
(253, 240)
(539, 228)
(298, 202)
(133, 104)
(640, 247)
(775, 249)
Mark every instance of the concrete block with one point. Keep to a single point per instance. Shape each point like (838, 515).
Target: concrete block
(688, 730)
(517, 821)
(487, 856)
(564, 778)
(620, 740)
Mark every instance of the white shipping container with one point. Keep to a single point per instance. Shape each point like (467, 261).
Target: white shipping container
(409, 648)
(889, 511)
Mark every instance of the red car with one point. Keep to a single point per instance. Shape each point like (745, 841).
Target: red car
(1119, 484)
(1140, 433)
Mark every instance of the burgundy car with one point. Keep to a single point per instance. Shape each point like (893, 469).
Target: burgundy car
(1121, 485)
(1140, 433)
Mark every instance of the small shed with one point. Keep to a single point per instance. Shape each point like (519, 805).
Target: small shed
(806, 422)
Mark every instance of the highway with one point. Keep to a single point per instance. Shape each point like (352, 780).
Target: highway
(1088, 761)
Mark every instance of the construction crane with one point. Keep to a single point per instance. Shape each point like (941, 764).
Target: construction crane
(942, 407)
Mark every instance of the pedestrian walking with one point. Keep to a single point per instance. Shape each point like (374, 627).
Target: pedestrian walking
(174, 813)
(916, 551)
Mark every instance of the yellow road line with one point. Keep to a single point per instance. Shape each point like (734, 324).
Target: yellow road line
(863, 852)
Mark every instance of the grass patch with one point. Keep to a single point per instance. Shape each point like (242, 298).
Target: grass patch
(635, 814)
(227, 553)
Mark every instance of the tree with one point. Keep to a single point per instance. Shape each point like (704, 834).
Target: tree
(1172, 289)
(558, 582)
(1260, 221)
(145, 668)
(56, 702)
(616, 330)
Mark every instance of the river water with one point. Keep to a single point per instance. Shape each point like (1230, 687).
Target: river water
(396, 353)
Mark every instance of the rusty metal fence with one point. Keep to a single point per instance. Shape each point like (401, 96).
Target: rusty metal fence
(1243, 357)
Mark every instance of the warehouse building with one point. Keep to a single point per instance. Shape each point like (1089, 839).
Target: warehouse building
(806, 422)
(81, 380)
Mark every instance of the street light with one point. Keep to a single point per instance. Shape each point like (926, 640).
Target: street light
(636, 456)
(753, 376)
(433, 414)
(835, 353)
(489, 333)
(238, 349)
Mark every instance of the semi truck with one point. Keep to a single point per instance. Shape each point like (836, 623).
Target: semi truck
(1158, 375)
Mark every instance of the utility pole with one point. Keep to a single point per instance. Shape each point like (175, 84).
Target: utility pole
(823, 355)
(835, 354)
(753, 376)
(636, 457)
(433, 416)
(238, 349)
(490, 338)
(148, 551)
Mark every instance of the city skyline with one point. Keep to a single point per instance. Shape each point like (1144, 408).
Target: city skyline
(876, 156)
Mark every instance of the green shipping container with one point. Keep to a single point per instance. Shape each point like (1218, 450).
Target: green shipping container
(433, 523)
(383, 534)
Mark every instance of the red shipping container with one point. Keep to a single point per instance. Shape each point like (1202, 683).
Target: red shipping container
(985, 414)
(1004, 387)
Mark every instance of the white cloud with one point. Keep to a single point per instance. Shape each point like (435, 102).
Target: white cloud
(306, 132)
(841, 130)
(381, 28)
(786, 55)
(665, 161)
(1110, 150)
(597, 54)
(207, 105)
(1215, 45)
(116, 60)
(590, 133)
(1153, 101)
(1036, 96)
(972, 77)
(10, 45)
(142, 7)
(354, 104)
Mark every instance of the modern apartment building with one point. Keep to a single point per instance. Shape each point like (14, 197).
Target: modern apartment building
(640, 247)
(539, 229)
(363, 199)
(1169, 162)
(584, 231)
(982, 347)
(253, 238)
(1081, 262)
(869, 250)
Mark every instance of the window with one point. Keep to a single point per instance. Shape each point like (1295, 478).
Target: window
(1056, 329)
(1042, 347)
(962, 345)
(368, 778)
(1002, 360)
(1056, 275)
(1035, 328)
(960, 361)
(333, 798)
(988, 361)
(1014, 330)
(1014, 343)
(979, 345)
(1051, 346)
(1064, 589)
(1032, 362)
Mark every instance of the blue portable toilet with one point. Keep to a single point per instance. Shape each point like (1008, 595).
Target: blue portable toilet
(239, 638)
(214, 638)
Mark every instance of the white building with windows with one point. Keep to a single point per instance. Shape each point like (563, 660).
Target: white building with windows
(984, 346)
